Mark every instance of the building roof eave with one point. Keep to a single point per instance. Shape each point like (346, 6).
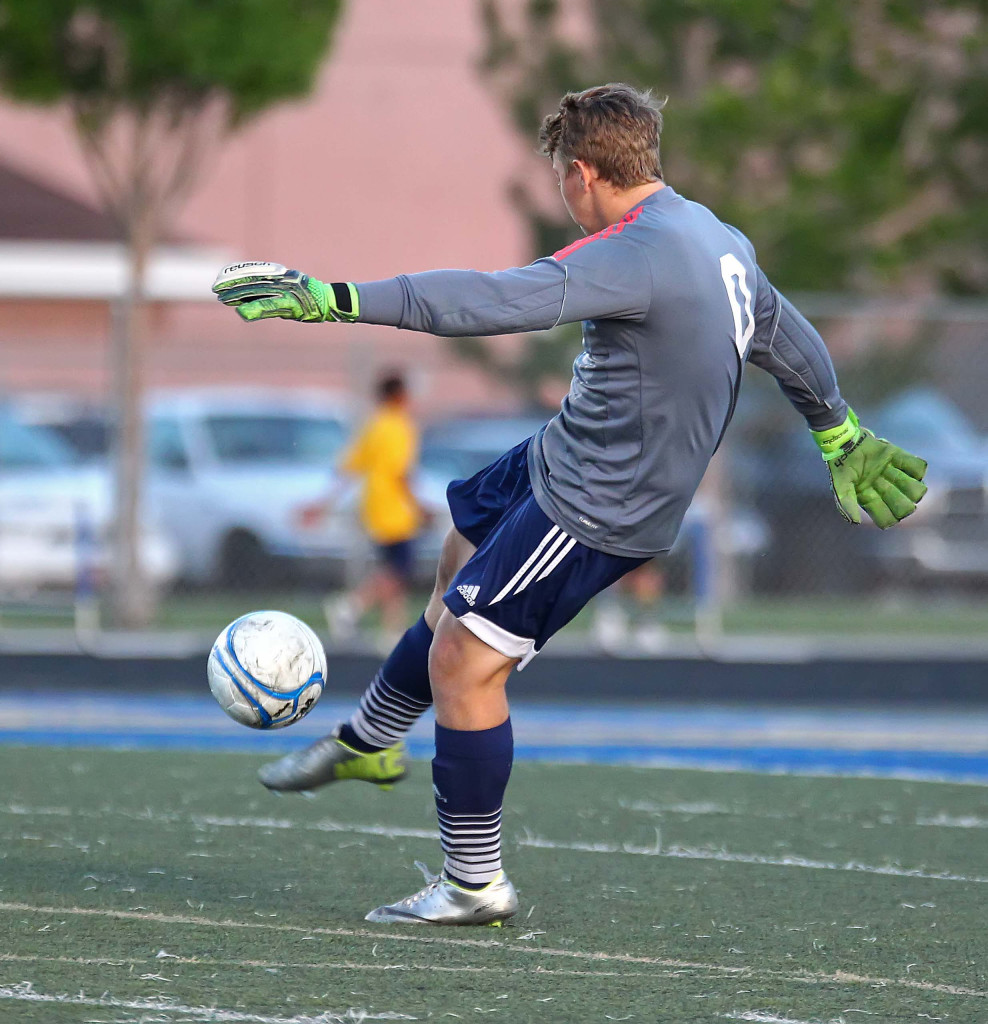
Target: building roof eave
(100, 270)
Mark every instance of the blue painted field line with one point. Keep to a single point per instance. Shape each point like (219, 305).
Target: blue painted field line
(927, 743)
(799, 759)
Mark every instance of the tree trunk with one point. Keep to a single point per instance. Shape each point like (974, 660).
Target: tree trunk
(132, 596)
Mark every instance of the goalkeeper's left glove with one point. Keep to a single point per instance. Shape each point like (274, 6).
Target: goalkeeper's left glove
(869, 471)
(261, 290)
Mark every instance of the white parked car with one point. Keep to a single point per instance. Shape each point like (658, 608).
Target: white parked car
(231, 471)
(55, 516)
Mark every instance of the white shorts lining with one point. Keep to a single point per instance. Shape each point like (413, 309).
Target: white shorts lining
(503, 641)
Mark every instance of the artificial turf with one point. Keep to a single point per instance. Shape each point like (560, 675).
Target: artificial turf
(169, 886)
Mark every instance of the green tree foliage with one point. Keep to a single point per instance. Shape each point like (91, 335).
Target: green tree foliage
(849, 140)
(150, 81)
(139, 50)
(151, 84)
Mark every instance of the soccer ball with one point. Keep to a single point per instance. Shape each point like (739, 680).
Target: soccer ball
(267, 669)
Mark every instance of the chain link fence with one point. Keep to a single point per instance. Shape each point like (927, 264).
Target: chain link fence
(233, 465)
(913, 374)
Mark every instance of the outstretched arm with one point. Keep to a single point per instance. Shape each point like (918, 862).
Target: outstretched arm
(865, 471)
(458, 303)
(450, 303)
(592, 283)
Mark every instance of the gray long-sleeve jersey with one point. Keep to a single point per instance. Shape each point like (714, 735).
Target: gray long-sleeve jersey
(673, 304)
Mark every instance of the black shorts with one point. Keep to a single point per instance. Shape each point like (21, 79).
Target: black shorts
(528, 577)
(398, 557)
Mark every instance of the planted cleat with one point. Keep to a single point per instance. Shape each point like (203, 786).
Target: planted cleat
(442, 901)
(341, 618)
(331, 760)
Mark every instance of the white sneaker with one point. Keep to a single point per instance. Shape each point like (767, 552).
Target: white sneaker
(610, 630)
(341, 617)
(651, 638)
(442, 901)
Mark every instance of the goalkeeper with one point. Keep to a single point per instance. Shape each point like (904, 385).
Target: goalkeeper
(673, 306)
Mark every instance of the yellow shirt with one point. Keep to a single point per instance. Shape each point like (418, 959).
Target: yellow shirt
(384, 453)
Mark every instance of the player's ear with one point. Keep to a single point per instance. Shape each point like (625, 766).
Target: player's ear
(585, 171)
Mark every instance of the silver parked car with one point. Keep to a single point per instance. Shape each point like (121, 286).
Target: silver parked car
(232, 472)
(946, 538)
(56, 516)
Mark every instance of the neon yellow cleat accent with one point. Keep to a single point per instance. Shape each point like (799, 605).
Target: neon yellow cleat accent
(384, 767)
(330, 760)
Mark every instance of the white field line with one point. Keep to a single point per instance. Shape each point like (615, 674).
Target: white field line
(740, 768)
(24, 992)
(214, 821)
(674, 852)
(940, 819)
(705, 808)
(943, 820)
(770, 1018)
(322, 965)
(800, 976)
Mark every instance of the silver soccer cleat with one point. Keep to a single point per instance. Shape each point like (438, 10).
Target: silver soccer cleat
(331, 760)
(444, 902)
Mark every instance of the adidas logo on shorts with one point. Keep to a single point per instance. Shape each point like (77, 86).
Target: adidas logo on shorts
(469, 594)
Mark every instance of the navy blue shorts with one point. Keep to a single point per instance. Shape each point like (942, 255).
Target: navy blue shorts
(398, 557)
(528, 577)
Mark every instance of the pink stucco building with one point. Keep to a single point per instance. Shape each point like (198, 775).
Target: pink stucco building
(400, 161)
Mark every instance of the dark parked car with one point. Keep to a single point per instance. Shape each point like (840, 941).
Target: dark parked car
(947, 537)
(458, 448)
(813, 549)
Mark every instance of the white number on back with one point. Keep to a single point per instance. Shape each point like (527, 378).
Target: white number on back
(736, 282)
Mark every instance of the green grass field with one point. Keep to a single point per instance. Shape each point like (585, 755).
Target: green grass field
(913, 616)
(169, 887)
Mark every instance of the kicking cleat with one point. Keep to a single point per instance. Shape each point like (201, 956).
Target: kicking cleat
(331, 760)
(444, 902)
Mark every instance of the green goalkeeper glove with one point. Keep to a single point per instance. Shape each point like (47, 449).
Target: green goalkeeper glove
(260, 290)
(869, 472)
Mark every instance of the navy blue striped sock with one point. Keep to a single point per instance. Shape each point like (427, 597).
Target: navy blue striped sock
(469, 776)
(397, 695)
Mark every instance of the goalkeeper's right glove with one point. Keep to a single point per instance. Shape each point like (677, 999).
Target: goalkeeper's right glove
(260, 290)
(869, 471)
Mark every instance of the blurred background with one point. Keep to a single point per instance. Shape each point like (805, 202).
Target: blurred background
(158, 457)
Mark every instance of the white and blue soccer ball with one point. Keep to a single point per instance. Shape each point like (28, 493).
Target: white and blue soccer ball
(267, 669)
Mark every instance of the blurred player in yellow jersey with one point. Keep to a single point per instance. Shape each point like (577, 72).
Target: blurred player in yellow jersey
(383, 455)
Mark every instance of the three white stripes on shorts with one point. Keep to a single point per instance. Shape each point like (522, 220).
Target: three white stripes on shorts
(552, 549)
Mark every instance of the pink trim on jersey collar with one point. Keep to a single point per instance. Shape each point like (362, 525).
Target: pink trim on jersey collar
(615, 229)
